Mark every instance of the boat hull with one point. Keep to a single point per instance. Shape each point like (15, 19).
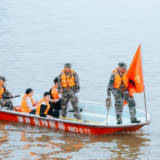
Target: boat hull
(76, 127)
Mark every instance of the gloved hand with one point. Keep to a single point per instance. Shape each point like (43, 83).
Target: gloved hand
(12, 96)
(76, 95)
(108, 102)
(108, 97)
(4, 96)
(60, 95)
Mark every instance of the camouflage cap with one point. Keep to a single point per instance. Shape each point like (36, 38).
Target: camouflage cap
(122, 65)
(2, 78)
(67, 65)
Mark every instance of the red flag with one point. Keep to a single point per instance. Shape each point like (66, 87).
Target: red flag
(135, 74)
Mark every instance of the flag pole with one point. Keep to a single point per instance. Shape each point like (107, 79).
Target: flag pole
(144, 87)
(145, 104)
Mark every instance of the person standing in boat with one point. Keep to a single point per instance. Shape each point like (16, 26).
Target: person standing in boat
(55, 99)
(5, 95)
(68, 88)
(27, 104)
(118, 85)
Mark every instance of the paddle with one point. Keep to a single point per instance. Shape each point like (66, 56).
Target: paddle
(4, 96)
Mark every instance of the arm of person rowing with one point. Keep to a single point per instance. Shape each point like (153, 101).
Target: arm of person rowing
(7, 93)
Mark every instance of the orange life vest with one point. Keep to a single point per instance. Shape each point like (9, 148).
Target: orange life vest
(1, 91)
(39, 107)
(54, 93)
(24, 107)
(67, 82)
(118, 80)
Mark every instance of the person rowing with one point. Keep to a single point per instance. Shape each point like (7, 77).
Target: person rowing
(5, 95)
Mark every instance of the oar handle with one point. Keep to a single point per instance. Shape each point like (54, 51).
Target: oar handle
(4, 96)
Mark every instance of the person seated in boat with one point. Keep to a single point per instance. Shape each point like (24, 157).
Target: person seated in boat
(118, 85)
(55, 99)
(5, 95)
(27, 104)
(44, 106)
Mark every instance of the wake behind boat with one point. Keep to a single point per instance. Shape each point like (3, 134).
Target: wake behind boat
(93, 119)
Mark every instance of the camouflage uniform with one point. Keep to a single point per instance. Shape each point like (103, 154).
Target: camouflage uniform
(69, 95)
(120, 95)
(6, 102)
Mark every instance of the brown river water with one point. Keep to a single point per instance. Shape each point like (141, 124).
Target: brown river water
(38, 37)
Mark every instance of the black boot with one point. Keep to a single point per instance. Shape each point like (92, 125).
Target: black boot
(119, 122)
(135, 121)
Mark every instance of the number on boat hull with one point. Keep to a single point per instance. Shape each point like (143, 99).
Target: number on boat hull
(53, 124)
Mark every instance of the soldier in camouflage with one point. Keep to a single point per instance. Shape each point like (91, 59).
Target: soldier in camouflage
(121, 94)
(5, 95)
(68, 88)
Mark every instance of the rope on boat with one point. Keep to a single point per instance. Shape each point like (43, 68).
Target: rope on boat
(108, 107)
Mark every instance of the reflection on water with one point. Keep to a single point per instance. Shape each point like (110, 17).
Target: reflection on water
(45, 143)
